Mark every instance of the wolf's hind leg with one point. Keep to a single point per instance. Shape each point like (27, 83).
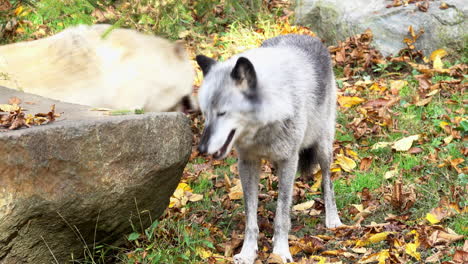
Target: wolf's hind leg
(249, 173)
(324, 158)
(286, 175)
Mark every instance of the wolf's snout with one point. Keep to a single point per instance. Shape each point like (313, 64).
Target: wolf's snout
(203, 146)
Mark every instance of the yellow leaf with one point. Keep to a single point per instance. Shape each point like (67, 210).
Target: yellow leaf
(381, 257)
(441, 124)
(437, 64)
(377, 87)
(345, 163)
(203, 253)
(303, 206)
(317, 182)
(397, 84)
(411, 249)
(373, 239)
(404, 144)
(348, 101)
(18, 10)
(235, 193)
(294, 249)
(432, 218)
(438, 53)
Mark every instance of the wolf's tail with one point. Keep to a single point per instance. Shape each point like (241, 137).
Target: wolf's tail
(307, 159)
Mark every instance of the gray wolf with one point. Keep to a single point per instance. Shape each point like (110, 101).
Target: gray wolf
(275, 102)
(97, 66)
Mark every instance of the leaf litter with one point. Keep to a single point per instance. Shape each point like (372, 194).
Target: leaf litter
(370, 89)
(400, 238)
(12, 116)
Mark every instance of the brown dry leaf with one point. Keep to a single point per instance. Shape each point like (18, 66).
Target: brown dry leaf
(415, 150)
(365, 164)
(424, 101)
(460, 257)
(274, 259)
(308, 244)
(14, 101)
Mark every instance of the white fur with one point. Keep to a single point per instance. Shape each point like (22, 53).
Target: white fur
(123, 70)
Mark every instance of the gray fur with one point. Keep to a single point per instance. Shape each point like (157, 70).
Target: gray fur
(288, 118)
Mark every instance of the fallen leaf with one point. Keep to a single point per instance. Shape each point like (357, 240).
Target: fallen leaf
(404, 144)
(424, 101)
(349, 101)
(194, 197)
(235, 192)
(460, 256)
(275, 259)
(379, 257)
(397, 85)
(8, 108)
(345, 163)
(390, 174)
(303, 206)
(411, 248)
(380, 145)
(372, 239)
(439, 53)
(14, 101)
(365, 164)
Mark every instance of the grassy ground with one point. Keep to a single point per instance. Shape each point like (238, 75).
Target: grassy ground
(388, 101)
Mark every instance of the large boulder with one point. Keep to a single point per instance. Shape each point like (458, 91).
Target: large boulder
(84, 178)
(335, 20)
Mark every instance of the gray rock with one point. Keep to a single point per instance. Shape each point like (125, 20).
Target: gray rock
(79, 180)
(335, 20)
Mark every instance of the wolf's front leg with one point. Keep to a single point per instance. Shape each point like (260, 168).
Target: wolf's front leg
(287, 172)
(249, 173)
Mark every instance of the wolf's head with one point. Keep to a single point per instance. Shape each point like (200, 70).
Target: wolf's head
(227, 98)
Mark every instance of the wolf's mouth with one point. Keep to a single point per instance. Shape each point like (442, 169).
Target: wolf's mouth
(222, 151)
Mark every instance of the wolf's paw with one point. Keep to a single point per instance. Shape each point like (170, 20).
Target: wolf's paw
(244, 258)
(332, 222)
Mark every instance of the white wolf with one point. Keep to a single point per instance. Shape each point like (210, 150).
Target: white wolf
(276, 102)
(96, 66)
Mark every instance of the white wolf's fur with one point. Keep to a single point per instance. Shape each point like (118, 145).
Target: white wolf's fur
(276, 102)
(124, 69)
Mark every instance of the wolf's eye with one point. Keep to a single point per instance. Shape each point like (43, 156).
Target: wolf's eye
(221, 114)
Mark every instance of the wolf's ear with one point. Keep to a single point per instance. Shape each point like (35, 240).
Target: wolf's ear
(205, 63)
(245, 76)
